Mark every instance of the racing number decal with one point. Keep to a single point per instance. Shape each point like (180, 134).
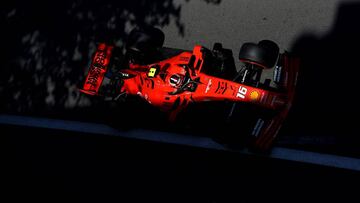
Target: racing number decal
(241, 92)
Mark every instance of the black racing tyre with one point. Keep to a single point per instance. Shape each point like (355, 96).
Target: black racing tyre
(116, 61)
(145, 40)
(263, 54)
(272, 50)
(217, 47)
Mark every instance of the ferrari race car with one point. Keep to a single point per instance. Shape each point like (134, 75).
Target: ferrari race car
(172, 80)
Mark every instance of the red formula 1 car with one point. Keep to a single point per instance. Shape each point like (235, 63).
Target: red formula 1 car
(172, 82)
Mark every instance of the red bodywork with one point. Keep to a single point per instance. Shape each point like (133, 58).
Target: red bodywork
(97, 70)
(158, 84)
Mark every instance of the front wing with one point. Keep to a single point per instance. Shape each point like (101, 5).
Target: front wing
(266, 130)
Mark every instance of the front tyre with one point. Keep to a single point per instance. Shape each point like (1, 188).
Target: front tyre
(263, 54)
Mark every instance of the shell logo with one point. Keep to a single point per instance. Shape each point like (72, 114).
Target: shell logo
(254, 95)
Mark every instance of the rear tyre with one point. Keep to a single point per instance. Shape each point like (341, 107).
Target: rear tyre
(143, 44)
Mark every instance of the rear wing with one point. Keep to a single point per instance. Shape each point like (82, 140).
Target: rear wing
(97, 69)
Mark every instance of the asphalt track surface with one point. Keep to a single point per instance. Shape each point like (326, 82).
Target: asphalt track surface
(56, 165)
(321, 32)
(47, 45)
(236, 22)
(179, 139)
(43, 65)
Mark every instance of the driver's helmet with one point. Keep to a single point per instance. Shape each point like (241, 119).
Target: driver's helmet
(176, 80)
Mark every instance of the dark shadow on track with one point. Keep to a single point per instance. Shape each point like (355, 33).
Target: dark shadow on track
(46, 47)
(326, 110)
(57, 165)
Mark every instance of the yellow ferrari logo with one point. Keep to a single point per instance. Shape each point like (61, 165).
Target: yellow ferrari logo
(152, 72)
